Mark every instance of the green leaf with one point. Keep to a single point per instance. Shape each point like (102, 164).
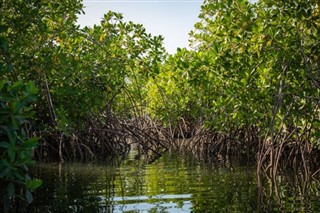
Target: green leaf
(27, 177)
(2, 84)
(4, 44)
(11, 152)
(18, 175)
(244, 81)
(16, 86)
(32, 89)
(31, 143)
(4, 144)
(234, 115)
(10, 67)
(5, 172)
(11, 135)
(5, 163)
(33, 184)
(29, 196)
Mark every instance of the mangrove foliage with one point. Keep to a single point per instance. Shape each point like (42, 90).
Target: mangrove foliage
(248, 87)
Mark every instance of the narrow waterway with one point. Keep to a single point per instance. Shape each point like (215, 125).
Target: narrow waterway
(172, 183)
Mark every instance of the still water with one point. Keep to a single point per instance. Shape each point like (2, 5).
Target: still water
(170, 184)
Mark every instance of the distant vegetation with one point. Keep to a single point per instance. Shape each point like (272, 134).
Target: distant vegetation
(249, 87)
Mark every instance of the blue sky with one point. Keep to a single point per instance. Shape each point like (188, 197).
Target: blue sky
(173, 19)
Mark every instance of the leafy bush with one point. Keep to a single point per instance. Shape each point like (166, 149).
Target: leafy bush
(16, 145)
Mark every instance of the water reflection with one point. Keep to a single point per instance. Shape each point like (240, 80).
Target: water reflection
(170, 184)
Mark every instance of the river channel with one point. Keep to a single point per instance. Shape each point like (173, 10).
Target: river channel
(172, 183)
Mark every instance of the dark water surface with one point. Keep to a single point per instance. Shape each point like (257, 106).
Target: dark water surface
(170, 184)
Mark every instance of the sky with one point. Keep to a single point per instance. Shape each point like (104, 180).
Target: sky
(173, 19)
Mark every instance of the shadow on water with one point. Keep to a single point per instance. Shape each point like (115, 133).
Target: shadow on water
(170, 184)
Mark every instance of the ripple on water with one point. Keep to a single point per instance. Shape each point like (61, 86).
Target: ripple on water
(170, 184)
(161, 202)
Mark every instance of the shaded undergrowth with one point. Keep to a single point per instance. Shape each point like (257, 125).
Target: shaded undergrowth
(108, 136)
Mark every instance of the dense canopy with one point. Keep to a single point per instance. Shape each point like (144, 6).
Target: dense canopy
(248, 86)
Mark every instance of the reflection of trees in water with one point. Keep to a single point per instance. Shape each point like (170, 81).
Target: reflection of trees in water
(227, 190)
(293, 191)
(72, 188)
(171, 182)
(209, 189)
